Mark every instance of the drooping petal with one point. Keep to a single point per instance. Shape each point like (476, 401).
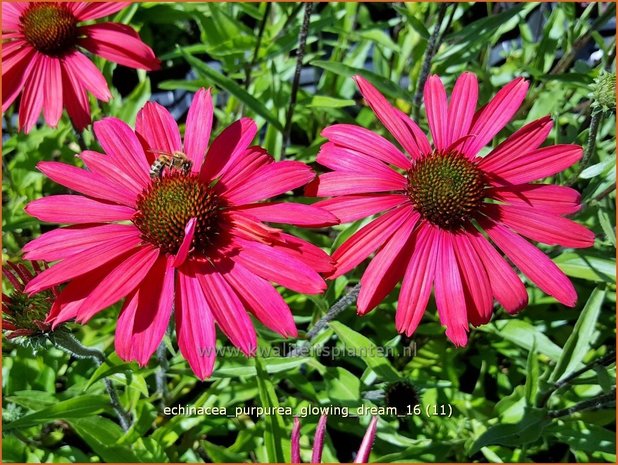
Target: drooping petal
(198, 127)
(388, 266)
(227, 309)
(366, 240)
(52, 102)
(118, 43)
(477, 288)
(91, 78)
(436, 106)
(87, 11)
(75, 99)
(549, 198)
(533, 263)
(318, 440)
(506, 286)
(495, 115)
(269, 181)
(156, 126)
(537, 164)
(86, 182)
(389, 117)
(308, 216)
(15, 72)
(195, 325)
(367, 142)
(76, 209)
(365, 448)
(542, 227)
(34, 91)
(306, 252)
(227, 147)
(280, 267)
(185, 246)
(350, 208)
(262, 299)
(450, 298)
(462, 106)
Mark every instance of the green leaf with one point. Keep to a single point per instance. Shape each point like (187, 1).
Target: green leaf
(274, 435)
(101, 434)
(532, 380)
(77, 407)
(584, 437)
(524, 335)
(578, 343)
(586, 266)
(366, 350)
(342, 387)
(230, 85)
(323, 101)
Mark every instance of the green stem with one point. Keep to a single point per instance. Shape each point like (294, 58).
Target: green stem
(67, 342)
(595, 122)
(258, 45)
(599, 402)
(161, 374)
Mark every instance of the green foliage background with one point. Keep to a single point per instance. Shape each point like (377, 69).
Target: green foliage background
(55, 408)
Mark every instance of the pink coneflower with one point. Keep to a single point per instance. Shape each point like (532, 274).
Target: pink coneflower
(41, 55)
(24, 315)
(362, 456)
(443, 206)
(189, 237)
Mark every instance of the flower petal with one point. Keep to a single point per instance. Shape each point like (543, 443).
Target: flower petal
(34, 90)
(75, 99)
(103, 165)
(198, 127)
(91, 78)
(15, 72)
(350, 208)
(306, 252)
(462, 106)
(87, 11)
(318, 440)
(159, 129)
(185, 246)
(245, 164)
(436, 107)
(52, 100)
(118, 43)
(342, 183)
(549, 198)
(298, 214)
(365, 448)
(76, 209)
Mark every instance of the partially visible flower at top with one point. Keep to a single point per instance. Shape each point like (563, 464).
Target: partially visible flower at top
(187, 236)
(362, 456)
(24, 315)
(440, 202)
(604, 91)
(42, 57)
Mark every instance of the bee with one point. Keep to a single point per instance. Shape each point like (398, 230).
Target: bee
(176, 160)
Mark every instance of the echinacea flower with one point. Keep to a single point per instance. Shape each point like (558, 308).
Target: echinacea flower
(445, 208)
(42, 57)
(362, 456)
(189, 237)
(24, 315)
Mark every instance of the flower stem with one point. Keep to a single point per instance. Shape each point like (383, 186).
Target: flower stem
(161, 375)
(335, 310)
(595, 122)
(300, 53)
(67, 342)
(432, 47)
(258, 44)
(597, 403)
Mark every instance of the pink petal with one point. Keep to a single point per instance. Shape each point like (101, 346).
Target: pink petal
(549, 198)
(195, 325)
(538, 164)
(198, 127)
(523, 141)
(350, 208)
(227, 309)
(119, 282)
(366, 240)
(389, 117)
(496, 114)
(11, 12)
(269, 181)
(351, 161)
(365, 448)
(86, 11)
(306, 252)
(103, 165)
(295, 441)
(76, 209)
(241, 224)
(81, 263)
(85, 182)
(506, 286)
(388, 266)
(146, 313)
(533, 263)
(297, 214)
(421, 143)
(124, 149)
(63, 242)
(280, 267)
(52, 100)
(75, 99)
(262, 299)
(342, 183)
(118, 43)
(462, 106)
(417, 281)
(16, 70)
(227, 148)
(318, 440)
(34, 90)
(450, 298)
(477, 288)
(436, 107)
(159, 129)
(185, 246)
(245, 164)
(539, 226)
(367, 142)
(91, 78)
